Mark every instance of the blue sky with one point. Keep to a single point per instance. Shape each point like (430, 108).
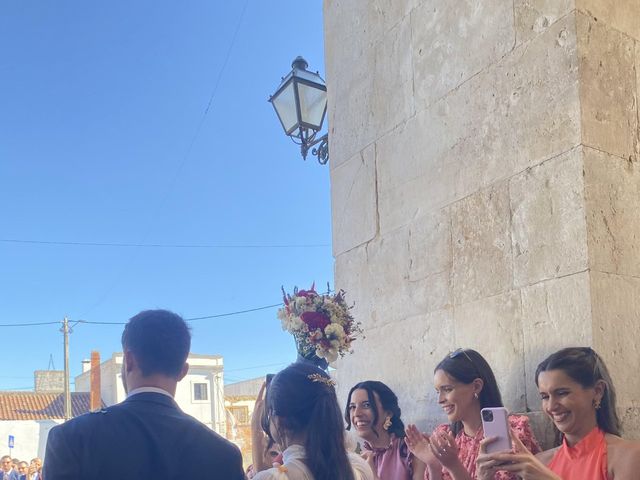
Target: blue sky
(104, 139)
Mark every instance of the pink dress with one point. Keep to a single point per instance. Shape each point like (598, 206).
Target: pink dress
(468, 447)
(392, 462)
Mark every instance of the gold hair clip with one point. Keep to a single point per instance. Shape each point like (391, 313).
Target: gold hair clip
(316, 377)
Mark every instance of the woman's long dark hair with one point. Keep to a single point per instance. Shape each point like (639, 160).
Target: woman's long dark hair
(465, 365)
(388, 401)
(304, 400)
(586, 367)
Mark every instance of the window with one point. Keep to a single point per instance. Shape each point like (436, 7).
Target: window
(200, 392)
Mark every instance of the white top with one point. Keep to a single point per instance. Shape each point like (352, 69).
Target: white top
(294, 468)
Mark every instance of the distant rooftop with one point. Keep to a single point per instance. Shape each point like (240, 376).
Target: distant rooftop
(40, 406)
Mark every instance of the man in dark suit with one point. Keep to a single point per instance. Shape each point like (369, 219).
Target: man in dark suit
(146, 436)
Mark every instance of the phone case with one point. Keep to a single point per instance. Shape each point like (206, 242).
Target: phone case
(498, 428)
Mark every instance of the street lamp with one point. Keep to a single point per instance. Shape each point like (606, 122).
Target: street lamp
(301, 104)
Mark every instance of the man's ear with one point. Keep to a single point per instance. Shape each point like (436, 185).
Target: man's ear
(129, 361)
(184, 371)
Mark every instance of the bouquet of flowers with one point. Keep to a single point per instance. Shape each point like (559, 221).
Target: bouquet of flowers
(321, 324)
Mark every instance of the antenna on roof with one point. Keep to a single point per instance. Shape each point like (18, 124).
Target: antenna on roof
(51, 365)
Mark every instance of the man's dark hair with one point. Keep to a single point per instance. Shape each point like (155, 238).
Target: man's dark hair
(160, 341)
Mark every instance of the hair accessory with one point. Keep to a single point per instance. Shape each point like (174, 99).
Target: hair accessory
(387, 423)
(316, 377)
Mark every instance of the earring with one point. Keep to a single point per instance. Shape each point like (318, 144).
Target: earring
(476, 395)
(596, 404)
(387, 423)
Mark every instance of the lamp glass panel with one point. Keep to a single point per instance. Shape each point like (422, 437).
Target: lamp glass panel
(285, 105)
(313, 102)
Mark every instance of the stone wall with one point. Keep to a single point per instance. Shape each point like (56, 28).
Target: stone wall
(485, 188)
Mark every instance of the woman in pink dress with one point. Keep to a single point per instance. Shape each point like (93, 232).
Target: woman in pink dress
(578, 395)
(465, 384)
(373, 412)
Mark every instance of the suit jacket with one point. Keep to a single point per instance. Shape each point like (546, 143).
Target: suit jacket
(12, 475)
(145, 437)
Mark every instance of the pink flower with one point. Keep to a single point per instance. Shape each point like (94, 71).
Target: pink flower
(315, 320)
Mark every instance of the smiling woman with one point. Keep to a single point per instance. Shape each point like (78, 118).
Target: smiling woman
(465, 384)
(373, 410)
(578, 395)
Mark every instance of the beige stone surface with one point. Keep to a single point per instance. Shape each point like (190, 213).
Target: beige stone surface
(430, 261)
(543, 429)
(548, 220)
(515, 114)
(555, 314)
(418, 344)
(622, 15)
(352, 276)
(453, 41)
(492, 326)
(535, 16)
(612, 192)
(353, 185)
(608, 88)
(481, 240)
(630, 417)
(393, 100)
(615, 303)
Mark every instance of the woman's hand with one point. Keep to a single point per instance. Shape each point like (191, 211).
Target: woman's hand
(444, 447)
(420, 446)
(519, 462)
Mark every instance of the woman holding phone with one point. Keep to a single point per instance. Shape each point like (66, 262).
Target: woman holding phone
(465, 384)
(578, 395)
(373, 412)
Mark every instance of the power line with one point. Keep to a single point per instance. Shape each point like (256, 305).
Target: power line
(181, 165)
(165, 245)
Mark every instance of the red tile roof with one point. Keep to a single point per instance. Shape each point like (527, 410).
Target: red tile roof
(40, 406)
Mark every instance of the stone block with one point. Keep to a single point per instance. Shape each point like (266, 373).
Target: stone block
(515, 114)
(481, 244)
(630, 417)
(430, 260)
(393, 101)
(352, 276)
(543, 429)
(555, 314)
(349, 90)
(403, 356)
(354, 201)
(535, 16)
(548, 220)
(493, 327)
(612, 193)
(520, 112)
(453, 41)
(622, 15)
(615, 303)
(608, 85)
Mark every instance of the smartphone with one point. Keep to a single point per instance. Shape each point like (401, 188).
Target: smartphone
(495, 423)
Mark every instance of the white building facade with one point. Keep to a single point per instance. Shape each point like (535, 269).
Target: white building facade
(200, 393)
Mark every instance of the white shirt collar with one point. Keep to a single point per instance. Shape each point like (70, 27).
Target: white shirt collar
(135, 391)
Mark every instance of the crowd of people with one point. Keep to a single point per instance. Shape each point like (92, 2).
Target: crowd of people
(576, 391)
(16, 469)
(299, 428)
